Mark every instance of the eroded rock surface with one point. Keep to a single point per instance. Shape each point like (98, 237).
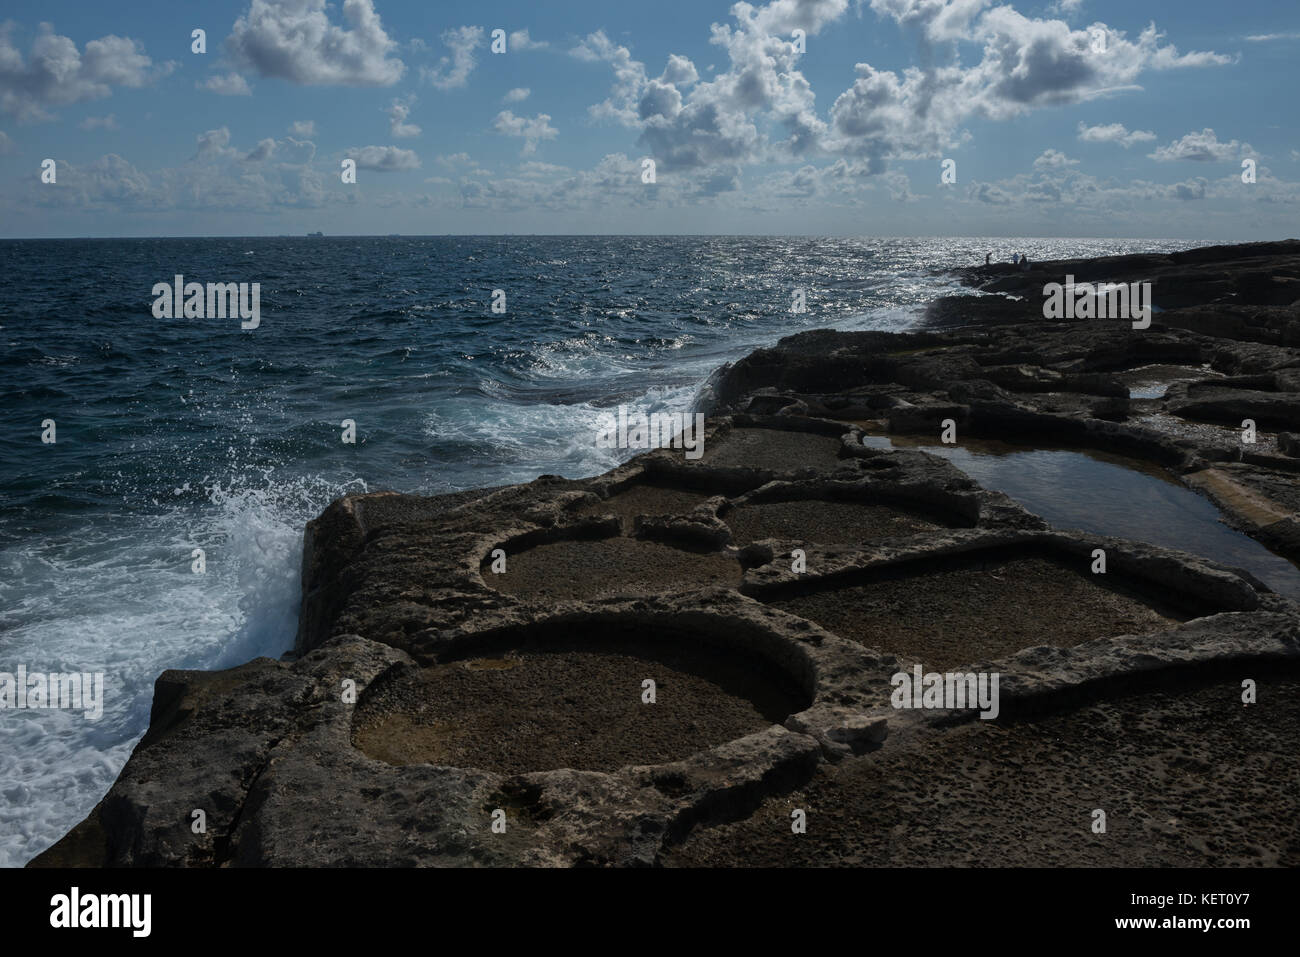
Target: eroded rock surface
(661, 664)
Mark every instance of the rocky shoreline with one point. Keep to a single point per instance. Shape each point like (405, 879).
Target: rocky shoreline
(469, 680)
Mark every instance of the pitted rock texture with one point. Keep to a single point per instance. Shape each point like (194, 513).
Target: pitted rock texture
(1187, 777)
(575, 700)
(979, 608)
(470, 659)
(1086, 384)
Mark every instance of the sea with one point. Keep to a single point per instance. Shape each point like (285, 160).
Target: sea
(176, 434)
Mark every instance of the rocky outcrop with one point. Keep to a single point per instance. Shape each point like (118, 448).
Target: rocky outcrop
(1249, 292)
(1072, 384)
(671, 662)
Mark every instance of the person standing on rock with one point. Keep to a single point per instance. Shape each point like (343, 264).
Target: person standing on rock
(987, 258)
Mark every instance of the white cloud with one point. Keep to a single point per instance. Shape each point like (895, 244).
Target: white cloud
(397, 112)
(762, 108)
(295, 152)
(1065, 7)
(1202, 147)
(1113, 133)
(227, 84)
(56, 73)
(384, 158)
(517, 95)
(99, 122)
(303, 128)
(1267, 37)
(1026, 64)
(937, 19)
(680, 71)
(263, 151)
(1087, 198)
(616, 179)
(520, 41)
(532, 130)
(218, 177)
(6, 144)
(294, 40)
(214, 144)
(1054, 159)
(536, 168)
(109, 181)
(453, 72)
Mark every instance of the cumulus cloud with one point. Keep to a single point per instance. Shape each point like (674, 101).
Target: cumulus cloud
(615, 179)
(302, 128)
(397, 112)
(532, 130)
(519, 40)
(989, 193)
(109, 181)
(935, 19)
(226, 84)
(453, 71)
(629, 76)
(1084, 197)
(214, 144)
(1202, 147)
(218, 177)
(1054, 159)
(294, 40)
(680, 71)
(384, 159)
(1113, 133)
(517, 95)
(56, 73)
(263, 151)
(1192, 189)
(762, 108)
(295, 152)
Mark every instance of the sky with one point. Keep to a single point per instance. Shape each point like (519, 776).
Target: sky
(1091, 118)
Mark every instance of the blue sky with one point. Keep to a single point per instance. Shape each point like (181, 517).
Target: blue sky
(1066, 118)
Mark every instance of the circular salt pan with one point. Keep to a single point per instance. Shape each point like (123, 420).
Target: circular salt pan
(592, 568)
(634, 501)
(574, 699)
(955, 611)
(775, 449)
(826, 522)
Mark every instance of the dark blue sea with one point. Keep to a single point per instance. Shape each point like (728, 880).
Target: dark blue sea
(175, 434)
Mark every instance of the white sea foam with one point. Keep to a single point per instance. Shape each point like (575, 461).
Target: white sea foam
(123, 600)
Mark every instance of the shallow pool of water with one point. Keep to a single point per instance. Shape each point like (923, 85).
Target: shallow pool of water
(1110, 495)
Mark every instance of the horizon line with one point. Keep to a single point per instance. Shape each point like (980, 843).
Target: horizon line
(637, 236)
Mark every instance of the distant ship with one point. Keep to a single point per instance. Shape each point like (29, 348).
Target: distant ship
(316, 234)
